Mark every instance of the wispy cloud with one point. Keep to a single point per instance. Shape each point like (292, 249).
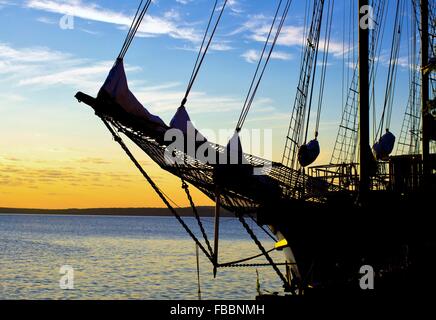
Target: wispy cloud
(30, 55)
(42, 67)
(184, 1)
(235, 7)
(252, 56)
(93, 160)
(12, 98)
(4, 3)
(151, 26)
(292, 36)
(29, 67)
(18, 65)
(47, 20)
(216, 45)
(258, 26)
(74, 76)
(90, 173)
(402, 62)
(163, 101)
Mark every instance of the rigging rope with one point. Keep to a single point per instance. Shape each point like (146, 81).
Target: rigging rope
(130, 29)
(139, 16)
(323, 73)
(203, 42)
(263, 228)
(306, 27)
(197, 258)
(393, 67)
(312, 86)
(202, 53)
(377, 39)
(271, 262)
(163, 197)
(261, 59)
(228, 264)
(185, 187)
(198, 63)
(295, 133)
(344, 150)
(118, 139)
(324, 65)
(252, 265)
(409, 137)
(286, 284)
(253, 90)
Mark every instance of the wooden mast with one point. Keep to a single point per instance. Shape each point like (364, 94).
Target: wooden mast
(364, 25)
(425, 94)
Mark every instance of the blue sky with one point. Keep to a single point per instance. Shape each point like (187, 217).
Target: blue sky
(43, 65)
(161, 59)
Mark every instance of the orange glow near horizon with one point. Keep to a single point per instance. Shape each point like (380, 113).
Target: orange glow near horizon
(87, 182)
(100, 177)
(124, 190)
(86, 169)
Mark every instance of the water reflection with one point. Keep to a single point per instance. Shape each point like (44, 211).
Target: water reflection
(121, 258)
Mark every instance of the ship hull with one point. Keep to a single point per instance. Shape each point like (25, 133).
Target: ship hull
(332, 241)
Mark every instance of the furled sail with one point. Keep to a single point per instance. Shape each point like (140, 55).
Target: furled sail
(182, 122)
(233, 151)
(117, 89)
(192, 138)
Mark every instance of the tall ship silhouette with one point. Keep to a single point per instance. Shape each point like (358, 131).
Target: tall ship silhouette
(371, 205)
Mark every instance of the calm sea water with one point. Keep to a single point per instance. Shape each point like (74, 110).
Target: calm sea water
(123, 258)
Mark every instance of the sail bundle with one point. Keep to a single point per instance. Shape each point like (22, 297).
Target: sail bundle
(116, 88)
(242, 190)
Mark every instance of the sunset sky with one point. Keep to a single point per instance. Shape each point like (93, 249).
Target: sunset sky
(55, 153)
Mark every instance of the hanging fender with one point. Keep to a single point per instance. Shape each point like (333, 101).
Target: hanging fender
(308, 153)
(384, 147)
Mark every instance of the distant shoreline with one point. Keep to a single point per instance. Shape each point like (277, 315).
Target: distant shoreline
(138, 212)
